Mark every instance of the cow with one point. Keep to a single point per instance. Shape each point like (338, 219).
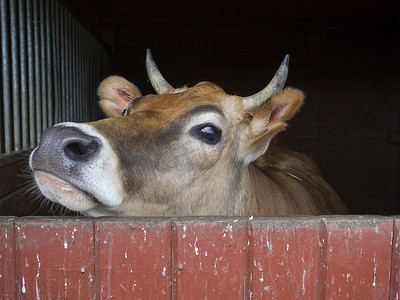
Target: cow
(182, 152)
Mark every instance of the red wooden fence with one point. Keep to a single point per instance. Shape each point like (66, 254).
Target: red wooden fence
(352, 257)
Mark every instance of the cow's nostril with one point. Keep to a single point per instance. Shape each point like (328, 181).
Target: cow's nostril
(80, 150)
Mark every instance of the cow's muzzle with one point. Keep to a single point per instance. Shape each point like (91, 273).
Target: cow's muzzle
(76, 167)
(57, 162)
(61, 149)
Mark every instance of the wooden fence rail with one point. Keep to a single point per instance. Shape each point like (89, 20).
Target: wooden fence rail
(352, 257)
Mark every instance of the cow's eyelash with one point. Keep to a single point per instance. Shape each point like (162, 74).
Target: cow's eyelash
(124, 112)
(127, 109)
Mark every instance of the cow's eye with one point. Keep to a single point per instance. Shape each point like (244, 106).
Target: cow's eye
(208, 133)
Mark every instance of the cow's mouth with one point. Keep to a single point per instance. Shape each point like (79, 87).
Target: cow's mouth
(63, 192)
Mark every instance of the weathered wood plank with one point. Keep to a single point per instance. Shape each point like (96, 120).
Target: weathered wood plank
(358, 257)
(395, 267)
(286, 258)
(147, 258)
(7, 259)
(133, 258)
(211, 258)
(55, 258)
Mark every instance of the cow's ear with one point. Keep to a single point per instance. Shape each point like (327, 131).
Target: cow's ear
(269, 119)
(115, 94)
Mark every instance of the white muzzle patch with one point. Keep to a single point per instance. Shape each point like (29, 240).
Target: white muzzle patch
(96, 180)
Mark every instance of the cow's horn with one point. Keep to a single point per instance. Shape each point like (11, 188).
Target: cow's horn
(160, 85)
(277, 83)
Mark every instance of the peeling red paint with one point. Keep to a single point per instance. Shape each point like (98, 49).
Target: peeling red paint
(358, 259)
(133, 259)
(210, 259)
(285, 259)
(7, 259)
(350, 257)
(395, 263)
(50, 257)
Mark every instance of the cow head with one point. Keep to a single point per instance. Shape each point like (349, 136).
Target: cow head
(180, 152)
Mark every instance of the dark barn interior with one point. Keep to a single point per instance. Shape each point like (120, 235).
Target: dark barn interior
(343, 54)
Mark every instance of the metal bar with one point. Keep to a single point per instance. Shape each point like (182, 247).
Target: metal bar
(50, 77)
(81, 50)
(101, 68)
(90, 91)
(88, 76)
(5, 75)
(77, 71)
(71, 68)
(23, 77)
(68, 67)
(87, 85)
(16, 106)
(96, 60)
(104, 66)
(58, 83)
(84, 87)
(93, 68)
(55, 59)
(38, 93)
(31, 77)
(92, 82)
(65, 66)
(43, 62)
(74, 68)
(62, 65)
